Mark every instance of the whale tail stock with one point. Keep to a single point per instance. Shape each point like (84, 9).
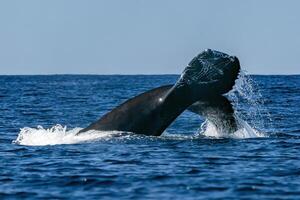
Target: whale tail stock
(208, 74)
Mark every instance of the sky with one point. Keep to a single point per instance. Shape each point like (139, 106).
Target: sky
(146, 36)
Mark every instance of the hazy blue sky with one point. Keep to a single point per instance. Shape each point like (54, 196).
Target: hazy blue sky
(146, 36)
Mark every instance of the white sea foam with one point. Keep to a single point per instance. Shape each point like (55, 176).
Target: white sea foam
(244, 131)
(59, 134)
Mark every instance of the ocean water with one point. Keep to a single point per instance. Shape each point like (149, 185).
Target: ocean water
(42, 158)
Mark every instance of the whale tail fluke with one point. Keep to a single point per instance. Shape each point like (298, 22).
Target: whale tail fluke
(210, 73)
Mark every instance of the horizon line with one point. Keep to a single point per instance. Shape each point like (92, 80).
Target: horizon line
(130, 74)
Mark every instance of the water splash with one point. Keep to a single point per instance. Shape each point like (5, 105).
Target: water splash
(250, 112)
(59, 134)
(244, 131)
(249, 104)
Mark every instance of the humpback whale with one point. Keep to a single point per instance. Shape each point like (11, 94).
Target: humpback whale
(199, 89)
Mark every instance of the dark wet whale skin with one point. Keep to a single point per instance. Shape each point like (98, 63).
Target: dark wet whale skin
(210, 73)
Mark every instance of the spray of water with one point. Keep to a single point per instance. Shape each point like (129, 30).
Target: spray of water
(59, 134)
(251, 115)
(244, 131)
(249, 103)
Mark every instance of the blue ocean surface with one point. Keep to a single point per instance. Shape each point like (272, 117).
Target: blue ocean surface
(42, 157)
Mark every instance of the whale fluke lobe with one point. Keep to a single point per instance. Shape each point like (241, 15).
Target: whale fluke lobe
(217, 110)
(211, 73)
(211, 70)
